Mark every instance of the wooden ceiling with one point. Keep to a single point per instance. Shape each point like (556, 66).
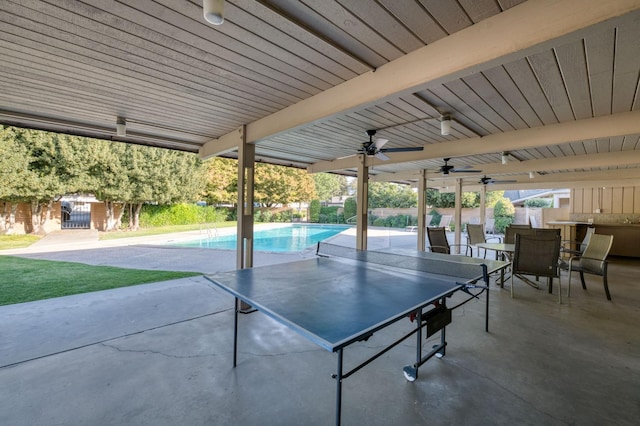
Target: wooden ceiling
(553, 83)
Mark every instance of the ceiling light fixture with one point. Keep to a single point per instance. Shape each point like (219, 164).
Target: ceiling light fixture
(532, 175)
(121, 126)
(213, 11)
(445, 125)
(505, 157)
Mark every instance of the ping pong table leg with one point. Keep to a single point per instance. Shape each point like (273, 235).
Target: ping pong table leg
(411, 371)
(338, 377)
(235, 331)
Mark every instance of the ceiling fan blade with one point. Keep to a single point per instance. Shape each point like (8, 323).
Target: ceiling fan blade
(381, 156)
(379, 143)
(408, 149)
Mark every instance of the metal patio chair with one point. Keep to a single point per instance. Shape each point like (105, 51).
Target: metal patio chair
(476, 235)
(438, 242)
(537, 255)
(592, 261)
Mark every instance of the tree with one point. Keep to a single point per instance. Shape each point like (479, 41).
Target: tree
(329, 185)
(221, 181)
(391, 195)
(503, 212)
(282, 185)
(14, 164)
(439, 199)
(350, 208)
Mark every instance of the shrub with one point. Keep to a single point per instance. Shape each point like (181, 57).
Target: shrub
(436, 217)
(314, 211)
(179, 214)
(350, 208)
(379, 221)
(502, 223)
(538, 202)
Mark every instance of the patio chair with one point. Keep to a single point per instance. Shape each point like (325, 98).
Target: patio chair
(476, 235)
(427, 220)
(438, 242)
(592, 261)
(490, 226)
(537, 254)
(445, 221)
(511, 230)
(568, 244)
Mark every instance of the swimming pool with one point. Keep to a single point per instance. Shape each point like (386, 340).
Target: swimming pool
(290, 238)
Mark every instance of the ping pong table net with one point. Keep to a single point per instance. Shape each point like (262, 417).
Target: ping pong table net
(463, 272)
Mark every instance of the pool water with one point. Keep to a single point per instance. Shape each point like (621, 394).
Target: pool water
(291, 238)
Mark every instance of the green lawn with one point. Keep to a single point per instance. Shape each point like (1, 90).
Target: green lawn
(16, 241)
(25, 280)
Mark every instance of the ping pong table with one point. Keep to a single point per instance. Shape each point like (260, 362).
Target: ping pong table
(344, 296)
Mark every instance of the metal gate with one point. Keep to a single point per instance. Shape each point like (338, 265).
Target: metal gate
(75, 215)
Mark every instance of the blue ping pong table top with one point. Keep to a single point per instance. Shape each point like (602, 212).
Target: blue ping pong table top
(334, 302)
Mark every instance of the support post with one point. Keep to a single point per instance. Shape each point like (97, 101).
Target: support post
(362, 203)
(458, 213)
(422, 210)
(246, 159)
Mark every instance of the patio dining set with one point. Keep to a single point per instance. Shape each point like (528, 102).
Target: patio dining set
(533, 253)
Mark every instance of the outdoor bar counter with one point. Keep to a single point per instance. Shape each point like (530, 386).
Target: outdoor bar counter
(626, 236)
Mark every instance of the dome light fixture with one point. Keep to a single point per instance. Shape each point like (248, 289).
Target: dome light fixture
(213, 11)
(445, 125)
(121, 126)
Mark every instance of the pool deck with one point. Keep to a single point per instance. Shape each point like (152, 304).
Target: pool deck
(161, 353)
(155, 252)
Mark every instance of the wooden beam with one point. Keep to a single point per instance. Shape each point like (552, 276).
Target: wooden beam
(229, 142)
(622, 124)
(584, 161)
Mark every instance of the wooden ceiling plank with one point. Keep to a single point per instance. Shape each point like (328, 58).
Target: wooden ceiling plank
(386, 24)
(343, 65)
(82, 29)
(301, 12)
(450, 15)
(600, 61)
(627, 63)
(573, 65)
(356, 26)
(89, 57)
(260, 34)
(501, 80)
(522, 74)
(493, 99)
(478, 10)
(416, 19)
(545, 67)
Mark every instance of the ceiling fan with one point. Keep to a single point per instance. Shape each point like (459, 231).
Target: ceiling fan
(447, 168)
(487, 180)
(375, 148)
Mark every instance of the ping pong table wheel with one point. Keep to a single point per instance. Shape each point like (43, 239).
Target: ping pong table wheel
(410, 373)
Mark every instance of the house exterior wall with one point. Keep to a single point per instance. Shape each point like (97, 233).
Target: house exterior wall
(606, 205)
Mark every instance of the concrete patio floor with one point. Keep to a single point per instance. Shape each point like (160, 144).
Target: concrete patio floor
(161, 354)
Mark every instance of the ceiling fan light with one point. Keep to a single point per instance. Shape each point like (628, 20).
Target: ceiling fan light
(213, 11)
(505, 157)
(445, 126)
(121, 126)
